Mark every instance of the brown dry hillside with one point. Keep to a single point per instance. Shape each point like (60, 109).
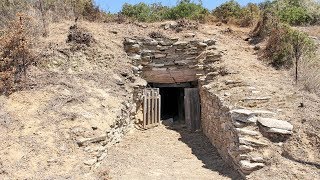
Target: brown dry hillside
(75, 92)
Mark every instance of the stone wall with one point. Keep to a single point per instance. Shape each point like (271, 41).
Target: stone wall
(243, 137)
(165, 60)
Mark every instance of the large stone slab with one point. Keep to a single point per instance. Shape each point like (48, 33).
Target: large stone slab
(275, 123)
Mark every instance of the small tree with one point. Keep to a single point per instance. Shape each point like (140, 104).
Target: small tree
(302, 46)
(287, 47)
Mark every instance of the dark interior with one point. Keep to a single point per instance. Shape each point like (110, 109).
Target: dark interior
(172, 103)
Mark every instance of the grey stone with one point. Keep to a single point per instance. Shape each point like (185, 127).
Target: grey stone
(245, 148)
(275, 123)
(180, 43)
(135, 57)
(247, 132)
(189, 35)
(252, 142)
(118, 79)
(248, 166)
(158, 56)
(83, 141)
(263, 113)
(279, 131)
(90, 162)
(257, 159)
(210, 42)
(201, 44)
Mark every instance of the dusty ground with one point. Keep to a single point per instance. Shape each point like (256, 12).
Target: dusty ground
(74, 94)
(167, 153)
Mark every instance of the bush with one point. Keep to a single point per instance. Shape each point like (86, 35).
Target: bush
(287, 47)
(231, 11)
(145, 13)
(227, 11)
(295, 15)
(188, 10)
(156, 12)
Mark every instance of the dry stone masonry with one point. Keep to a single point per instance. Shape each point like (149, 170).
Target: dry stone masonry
(242, 136)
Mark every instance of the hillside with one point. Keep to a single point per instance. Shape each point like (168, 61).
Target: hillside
(75, 93)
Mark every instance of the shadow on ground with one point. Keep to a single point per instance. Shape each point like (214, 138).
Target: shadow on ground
(205, 151)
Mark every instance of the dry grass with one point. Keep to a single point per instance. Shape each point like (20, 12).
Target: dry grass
(16, 55)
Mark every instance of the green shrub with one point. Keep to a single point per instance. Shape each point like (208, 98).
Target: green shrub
(287, 46)
(227, 11)
(295, 15)
(231, 11)
(157, 12)
(188, 10)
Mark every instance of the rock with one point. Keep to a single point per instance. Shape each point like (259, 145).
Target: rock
(257, 159)
(189, 35)
(90, 162)
(166, 26)
(256, 48)
(129, 41)
(279, 131)
(252, 142)
(201, 44)
(242, 115)
(139, 82)
(102, 156)
(180, 43)
(83, 141)
(248, 166)
(118, 79)
(245, 148)
(135, 57)
(113, 32)
(275, 124)
(210, 42)
(158, 56)
(135, 69)
(247, 132)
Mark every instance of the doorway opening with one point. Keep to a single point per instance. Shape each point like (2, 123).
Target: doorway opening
(180, 103)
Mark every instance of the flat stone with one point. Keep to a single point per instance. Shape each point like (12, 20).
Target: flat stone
(201, 44)
(275, 123)
(189, 35)
(210, 42)
(135, 57)
(248, 166)
(118, 79)
(247, 132)
(252, 142)
(83, 141)
(257, 159)
(158, 56)
(245, 148)
(180, 43)
(139, 82)
(279, 131)
(243, 115)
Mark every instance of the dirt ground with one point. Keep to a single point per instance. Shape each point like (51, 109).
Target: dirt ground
(167, 153)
